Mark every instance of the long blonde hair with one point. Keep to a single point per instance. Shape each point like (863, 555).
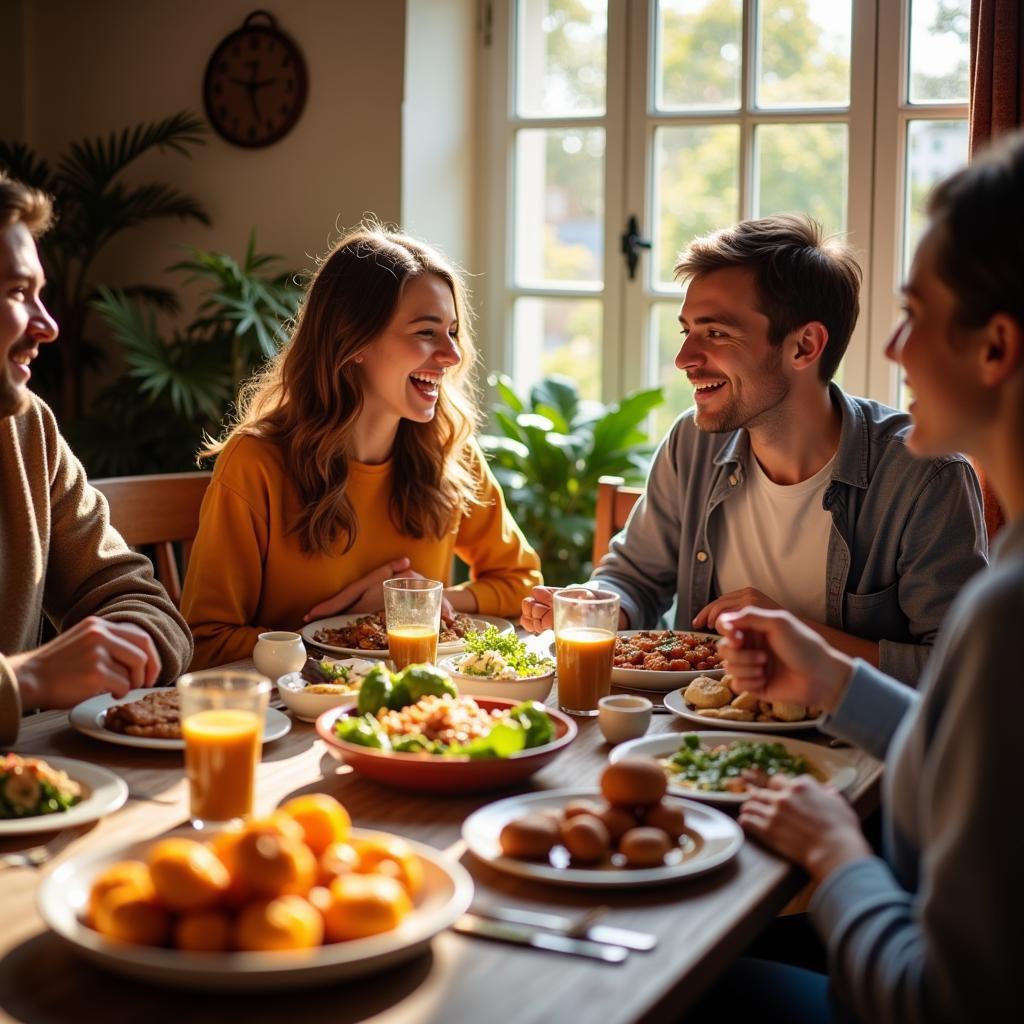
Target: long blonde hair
(308, 398)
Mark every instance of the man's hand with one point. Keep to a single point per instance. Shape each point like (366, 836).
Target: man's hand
(772, 654)
(745, 597)
(805, 822)
(94, 656)
(367, 594)
(538, 610)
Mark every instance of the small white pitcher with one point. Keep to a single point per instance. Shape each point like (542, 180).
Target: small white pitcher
(276, 654)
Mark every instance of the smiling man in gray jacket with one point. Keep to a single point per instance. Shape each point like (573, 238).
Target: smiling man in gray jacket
(778, 489)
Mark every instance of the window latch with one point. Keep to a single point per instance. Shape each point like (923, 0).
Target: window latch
(632, 243)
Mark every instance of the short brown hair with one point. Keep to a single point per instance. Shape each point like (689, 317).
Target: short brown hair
(799, 275)
(976, 215)
(22, 204)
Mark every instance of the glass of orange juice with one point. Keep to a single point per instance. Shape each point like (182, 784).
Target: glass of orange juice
(222, 718)
(412, 608)
(585, 625)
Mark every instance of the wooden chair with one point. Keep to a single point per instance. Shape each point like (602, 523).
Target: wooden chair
(159, 511)
(614, 502)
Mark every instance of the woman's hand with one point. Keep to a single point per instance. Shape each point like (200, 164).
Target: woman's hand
(805, 822)
(367, 594)
(772, 654)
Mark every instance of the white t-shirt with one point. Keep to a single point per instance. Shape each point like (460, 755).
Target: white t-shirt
(774, 537)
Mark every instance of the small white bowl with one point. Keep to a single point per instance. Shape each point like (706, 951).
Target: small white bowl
(278, 652)
(623, 716)
(528, 688)
(308, 707)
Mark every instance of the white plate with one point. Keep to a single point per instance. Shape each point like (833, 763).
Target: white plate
(837, 765)
(715, 840)
(481, 622)
(63, 895)
(102, 793)
(677, 705)
(660, 682)
(88, 716)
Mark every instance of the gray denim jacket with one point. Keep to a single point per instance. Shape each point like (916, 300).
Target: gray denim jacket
(907, 533)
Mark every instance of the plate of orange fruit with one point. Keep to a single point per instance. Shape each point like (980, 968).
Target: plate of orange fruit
(296, 898)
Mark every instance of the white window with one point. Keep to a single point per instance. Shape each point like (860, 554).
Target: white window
(682, 116)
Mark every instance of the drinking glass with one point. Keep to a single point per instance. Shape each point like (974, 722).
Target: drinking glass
(222, 718)
(412, 608)
(585, 625)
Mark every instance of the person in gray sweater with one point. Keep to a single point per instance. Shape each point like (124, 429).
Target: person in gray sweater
(778, 489)
(930, 932)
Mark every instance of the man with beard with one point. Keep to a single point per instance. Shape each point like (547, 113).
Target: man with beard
(58, 553)
(778, 489)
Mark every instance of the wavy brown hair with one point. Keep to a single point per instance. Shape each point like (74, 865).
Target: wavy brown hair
(308, 398)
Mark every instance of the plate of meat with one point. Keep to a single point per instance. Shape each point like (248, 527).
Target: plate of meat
(663, 659)
(366, 636)
(148, 718)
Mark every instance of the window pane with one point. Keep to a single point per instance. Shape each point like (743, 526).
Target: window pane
(803, 53)
(557, 336)
(696, 189)
(667, 339)
(559, 206)
(934, 150)
(561, 49)
(939, 47)
(698, 49)
(802, 168)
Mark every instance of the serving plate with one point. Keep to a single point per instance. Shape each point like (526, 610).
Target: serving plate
(103, 793)
(661, 682)
(712, 839)
(480, 622)
(437, 774)
(63, 895)
(88, 717)
(677, 704)
(839, 766)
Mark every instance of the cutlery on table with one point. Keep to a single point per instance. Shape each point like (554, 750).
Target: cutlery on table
(522, 935)
(582, 927)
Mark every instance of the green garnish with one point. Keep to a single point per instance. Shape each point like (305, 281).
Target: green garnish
(513, 650)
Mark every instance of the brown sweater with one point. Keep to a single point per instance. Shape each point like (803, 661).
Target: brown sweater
(60, 556)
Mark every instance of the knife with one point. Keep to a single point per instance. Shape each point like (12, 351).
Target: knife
(640, 941)
(471, 924)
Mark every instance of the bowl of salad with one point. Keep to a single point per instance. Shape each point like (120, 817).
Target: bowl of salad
(501, 665)
(322, 684)
(414, 730)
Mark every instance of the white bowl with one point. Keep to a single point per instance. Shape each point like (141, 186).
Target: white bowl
(528, 688)
(308, 707)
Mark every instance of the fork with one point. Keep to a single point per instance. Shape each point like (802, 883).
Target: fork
(33, 857)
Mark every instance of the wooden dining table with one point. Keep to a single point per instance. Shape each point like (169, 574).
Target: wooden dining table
(702, 923)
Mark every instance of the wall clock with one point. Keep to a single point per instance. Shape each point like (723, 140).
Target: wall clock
(255, 83)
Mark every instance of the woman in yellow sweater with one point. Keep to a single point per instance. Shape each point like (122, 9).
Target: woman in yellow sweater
(352, 461)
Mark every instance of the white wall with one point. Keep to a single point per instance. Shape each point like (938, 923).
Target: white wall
(439, 186)
(93, 66)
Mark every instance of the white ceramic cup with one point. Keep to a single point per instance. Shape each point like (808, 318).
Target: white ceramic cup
(623, 716)
(276, 654)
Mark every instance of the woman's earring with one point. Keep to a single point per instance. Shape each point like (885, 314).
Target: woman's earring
(358, 359)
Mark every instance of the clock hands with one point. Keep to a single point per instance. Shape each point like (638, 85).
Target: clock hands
(252, 85)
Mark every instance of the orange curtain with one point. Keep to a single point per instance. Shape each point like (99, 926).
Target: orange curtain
(997, 106)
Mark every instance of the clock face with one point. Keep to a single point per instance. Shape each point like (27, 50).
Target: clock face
(255, 86)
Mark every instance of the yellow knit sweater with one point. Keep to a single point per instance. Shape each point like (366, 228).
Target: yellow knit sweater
(60, 556)
(248, 573)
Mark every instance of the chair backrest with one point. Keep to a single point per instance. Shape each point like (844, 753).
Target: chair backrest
(614, 503)
(159, 511)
